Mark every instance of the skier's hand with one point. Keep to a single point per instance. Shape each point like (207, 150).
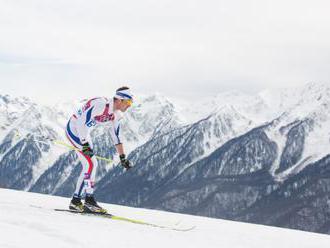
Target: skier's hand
(125, 162)
(87, 150)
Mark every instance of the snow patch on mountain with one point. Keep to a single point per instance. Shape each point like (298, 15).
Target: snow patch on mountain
(311, 106)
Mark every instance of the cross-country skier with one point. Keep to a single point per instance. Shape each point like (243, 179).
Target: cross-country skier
(95, 111)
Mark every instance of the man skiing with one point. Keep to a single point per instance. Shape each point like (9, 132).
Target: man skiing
(95, 111)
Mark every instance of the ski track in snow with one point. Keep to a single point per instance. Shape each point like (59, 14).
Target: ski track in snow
(23, 224)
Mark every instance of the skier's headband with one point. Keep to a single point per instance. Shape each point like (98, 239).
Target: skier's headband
(124, 95)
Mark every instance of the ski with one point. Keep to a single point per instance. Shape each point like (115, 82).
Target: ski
(119, 218)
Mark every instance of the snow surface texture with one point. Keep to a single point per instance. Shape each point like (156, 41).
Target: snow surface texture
(27, 220)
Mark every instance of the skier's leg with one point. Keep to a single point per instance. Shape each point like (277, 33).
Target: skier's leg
(72, 136)
(81, 184)
(85, 183)
(89, 182)
(90, 178)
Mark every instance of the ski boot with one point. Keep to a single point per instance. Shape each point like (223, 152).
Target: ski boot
(76, 205)
(91, 206)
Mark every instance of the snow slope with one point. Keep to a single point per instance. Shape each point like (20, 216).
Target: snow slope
(23, 224)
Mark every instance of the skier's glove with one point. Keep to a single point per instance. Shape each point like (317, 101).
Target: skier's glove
(125, 162)
(87, 150)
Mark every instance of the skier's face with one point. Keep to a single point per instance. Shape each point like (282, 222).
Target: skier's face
(125, 104)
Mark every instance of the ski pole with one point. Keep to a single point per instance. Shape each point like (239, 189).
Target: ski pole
(59, 142)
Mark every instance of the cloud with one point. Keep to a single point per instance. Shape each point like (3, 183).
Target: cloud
(188, 45)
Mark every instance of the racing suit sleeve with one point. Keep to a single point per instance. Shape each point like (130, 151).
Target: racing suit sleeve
(115, 132)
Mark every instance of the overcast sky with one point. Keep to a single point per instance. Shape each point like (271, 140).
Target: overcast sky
(72, 49)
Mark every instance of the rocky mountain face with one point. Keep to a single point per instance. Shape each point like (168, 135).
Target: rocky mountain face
(166, 156)
(262, 159)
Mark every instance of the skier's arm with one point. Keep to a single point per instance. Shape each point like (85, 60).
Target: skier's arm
(115, 135)
(119, 146)
(120, 149)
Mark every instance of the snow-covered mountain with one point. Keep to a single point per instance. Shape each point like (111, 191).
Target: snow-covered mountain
(150, 116)
(29, 158)
(166, 156)
(31, 217)
(253, 107)
(229, 156)
(10, 110)
(303, 130)
(24, 152)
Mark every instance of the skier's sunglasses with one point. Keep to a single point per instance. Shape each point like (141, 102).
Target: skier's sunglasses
(129, 102)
